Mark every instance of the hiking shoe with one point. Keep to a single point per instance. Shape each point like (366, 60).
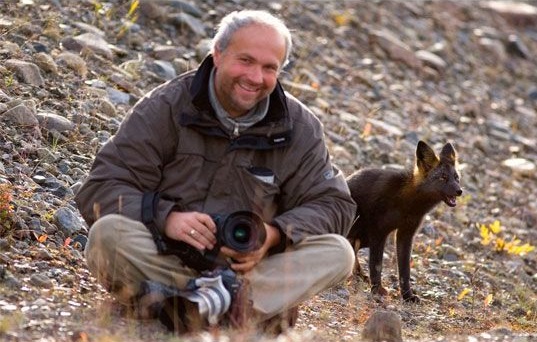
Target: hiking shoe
(167, 304)
(241, 309)
(211, 294)
(181, 316)
(238, 313)
(204, 299)
(281, 322)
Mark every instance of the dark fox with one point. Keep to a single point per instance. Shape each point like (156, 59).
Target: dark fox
(391, 200)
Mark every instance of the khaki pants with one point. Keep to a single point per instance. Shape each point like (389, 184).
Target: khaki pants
(121, 253)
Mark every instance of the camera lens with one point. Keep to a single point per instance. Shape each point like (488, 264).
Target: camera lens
(241, 233)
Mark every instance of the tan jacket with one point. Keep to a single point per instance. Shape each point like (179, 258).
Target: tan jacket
(172, 143)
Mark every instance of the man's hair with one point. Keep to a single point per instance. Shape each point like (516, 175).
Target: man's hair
(236, 20)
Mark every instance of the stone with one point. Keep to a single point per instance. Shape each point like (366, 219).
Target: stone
(431, 59)
(396, 49)
(28, 72)
(182, 20)
(383, 326)
(73, 61)
(20, 115)
(67, 221)
(41, 280)
(46, 62)
(95, 43)
(53, 121)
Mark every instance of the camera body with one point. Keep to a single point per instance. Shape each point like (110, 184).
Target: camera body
(243, 231)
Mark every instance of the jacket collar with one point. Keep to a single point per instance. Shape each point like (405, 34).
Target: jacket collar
(200, 94)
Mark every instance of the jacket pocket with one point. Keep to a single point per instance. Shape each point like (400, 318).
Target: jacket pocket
(260, 189)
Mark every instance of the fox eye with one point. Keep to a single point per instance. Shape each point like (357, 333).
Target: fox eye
(443, 178)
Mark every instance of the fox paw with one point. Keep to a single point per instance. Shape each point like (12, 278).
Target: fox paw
(379, 290)
(363, 277)
(411, 297)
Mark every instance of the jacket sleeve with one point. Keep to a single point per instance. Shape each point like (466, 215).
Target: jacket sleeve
(315, 197)
(131, 163)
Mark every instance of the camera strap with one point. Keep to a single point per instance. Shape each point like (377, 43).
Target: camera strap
(149, 209)
(187, 253)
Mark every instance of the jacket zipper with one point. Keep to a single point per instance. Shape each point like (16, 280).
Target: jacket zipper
(236, 131)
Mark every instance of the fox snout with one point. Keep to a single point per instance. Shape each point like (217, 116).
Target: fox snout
(450, 197)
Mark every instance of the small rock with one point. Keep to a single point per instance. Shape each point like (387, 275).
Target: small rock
(396, 49)
(106, 107)
(11, 282)
(195, 25)
(432, 60)
(517, 13)
(21, 116)
(29, 72)
(90, 28)
(166, 53)
(67, 221)
(516, 47)
(43, 254)
(117, 96)
(74, 62)
(163, 69)
(46, 62)
(203, 47)
(520, 165)
(41, 280)
(4, 97)
(95, 43)
(494, 49)
(383, 326)
(54, 122)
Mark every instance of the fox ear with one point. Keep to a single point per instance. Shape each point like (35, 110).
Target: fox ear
(426, 159)
(448, 153)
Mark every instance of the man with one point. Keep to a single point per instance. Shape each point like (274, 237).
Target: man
(217, 140)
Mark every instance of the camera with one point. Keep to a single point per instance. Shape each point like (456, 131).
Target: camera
(243, 231)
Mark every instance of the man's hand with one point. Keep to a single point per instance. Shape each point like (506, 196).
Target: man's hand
(244, 262)
(196, 229)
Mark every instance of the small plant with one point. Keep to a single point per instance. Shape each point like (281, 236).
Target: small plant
(9, 80)
(130, 18)
(9, 321)
(5, 201)
(6, 208)
(55, 143)
(491, 236)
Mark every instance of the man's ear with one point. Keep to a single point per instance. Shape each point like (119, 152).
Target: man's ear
(426, 159)
(216, 56)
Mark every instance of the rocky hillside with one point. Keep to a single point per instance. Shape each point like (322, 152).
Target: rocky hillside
(381, 75)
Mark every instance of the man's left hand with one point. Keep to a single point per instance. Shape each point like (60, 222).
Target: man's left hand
(244, 262)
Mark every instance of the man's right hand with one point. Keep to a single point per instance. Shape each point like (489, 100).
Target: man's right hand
(195, 228)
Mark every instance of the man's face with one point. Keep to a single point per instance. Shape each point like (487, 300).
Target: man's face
(247, 70)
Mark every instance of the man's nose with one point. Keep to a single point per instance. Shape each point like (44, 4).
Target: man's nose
(255, 74)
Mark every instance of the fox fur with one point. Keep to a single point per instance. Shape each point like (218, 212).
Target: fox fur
(389, 200)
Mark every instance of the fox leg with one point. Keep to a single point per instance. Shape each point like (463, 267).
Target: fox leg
(358, 271)
(404, 250)
(376, 252)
